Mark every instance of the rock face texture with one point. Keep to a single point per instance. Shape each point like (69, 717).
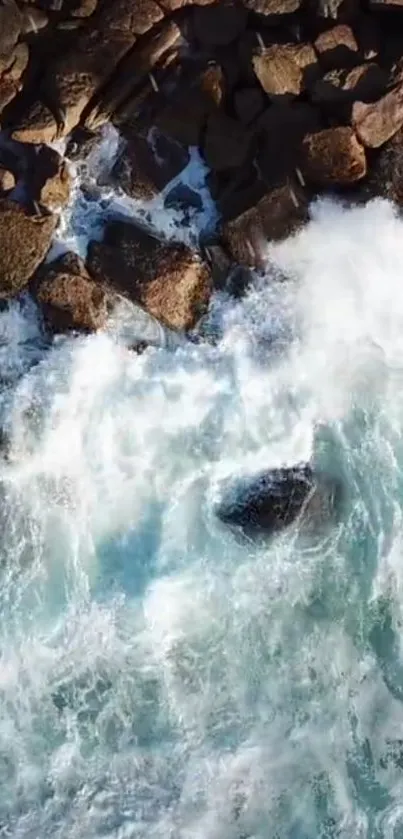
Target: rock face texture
(169, 281)
(334, 156)
(24, 243)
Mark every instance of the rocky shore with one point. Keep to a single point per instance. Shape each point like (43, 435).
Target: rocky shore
(284, 99)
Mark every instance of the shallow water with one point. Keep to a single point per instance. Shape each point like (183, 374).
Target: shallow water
(159, 676)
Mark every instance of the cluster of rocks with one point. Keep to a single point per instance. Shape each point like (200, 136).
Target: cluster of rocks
(283, 98)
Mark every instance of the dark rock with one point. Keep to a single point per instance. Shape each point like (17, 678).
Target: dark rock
(10, 30)
(10, 78)
(377, 122)
(386, 5)
(173, 5)
(185, 116)
(385, 177)
(285, 69)
(227, 143)
(81, 143)
(24, 243)
(368, 36)
(337, 47)
(50, 181)
(169, 281)
(7, 180)
(33, 19)
(334, 157)
(145, 168)
(340, 88)
(278, 214)
(184, 198)
(273, 8)
(283, 128)
(37, 125)
(274, 500)
(70, 299)
(249, 102)
(218, 24)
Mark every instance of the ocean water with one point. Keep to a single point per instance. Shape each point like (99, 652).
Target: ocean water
(160, 676)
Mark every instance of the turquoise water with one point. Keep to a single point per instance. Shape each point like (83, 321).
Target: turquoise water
(160, 677)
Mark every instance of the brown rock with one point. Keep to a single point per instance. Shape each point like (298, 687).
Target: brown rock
(282, 69)
(377, 122)
(70, 299)
(169, 281)
(339, 88)
(7, 180)
(272, 7)
(10, 80)
(144, 168)
(172, 5)
(334, 156)
(278, 214)
(51, 181)
(385, 177)
(283, 128)
(24, 243)
(38, 125)
(10, 29)
(337, 47)
(77, 74)
(218, 24)
(227, 143)
(84, 8)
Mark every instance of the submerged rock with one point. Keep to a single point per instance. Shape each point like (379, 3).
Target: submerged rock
(273, 500)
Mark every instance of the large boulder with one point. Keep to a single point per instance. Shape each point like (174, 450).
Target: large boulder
(49, 179)
(283, 128)
(377, 122)
(339, 89)
(334, 157)
(227, 143)
(278, 214)
(168, 280)
(70, 299)
(269, 502)
(24, 243)
(184, 116)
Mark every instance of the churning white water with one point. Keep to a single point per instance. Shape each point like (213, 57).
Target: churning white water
(159, 676)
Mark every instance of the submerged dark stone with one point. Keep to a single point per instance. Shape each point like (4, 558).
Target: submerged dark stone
(273, 500)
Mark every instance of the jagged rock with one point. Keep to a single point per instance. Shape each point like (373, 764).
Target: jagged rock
(10, 79)
(339, 88)
(334, 156)
(185, 116)
(7, 180)
(272, 7)
(70, 299)
(37, 126)
(50, 181)
(218, 24)
(169, 281)
(385, 177)
(173, 5)
(337, 47)
(24, 243)
(278, 214)
(269, 502)
(377, 122)
(249, 102)
(134, 70)
(145, 168)
(226, 143)
(282, 130)
(76, 75)
(284, 69)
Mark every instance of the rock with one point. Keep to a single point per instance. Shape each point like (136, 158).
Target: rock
(185, 116)
(249, 102)
(173, 5)
(282, 130)
(51, 181)
(283, 69)
(385, 5)
(76, 75)
(24, 243)
(10, 30)
(269, 502)
(385, 177)
(334, 156)
(227, 143)
(377, 122)
(10, 79)
(169, 281)
(70, 299)
(273, 8)
(83, 8)
(134, 71)
(218, 24)
(33, 19)
(340, 88)
(7, 180)
(278, 214)
(144, 168)
(184, 198)
(337, 47)
(81, 143)
(38, 125)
